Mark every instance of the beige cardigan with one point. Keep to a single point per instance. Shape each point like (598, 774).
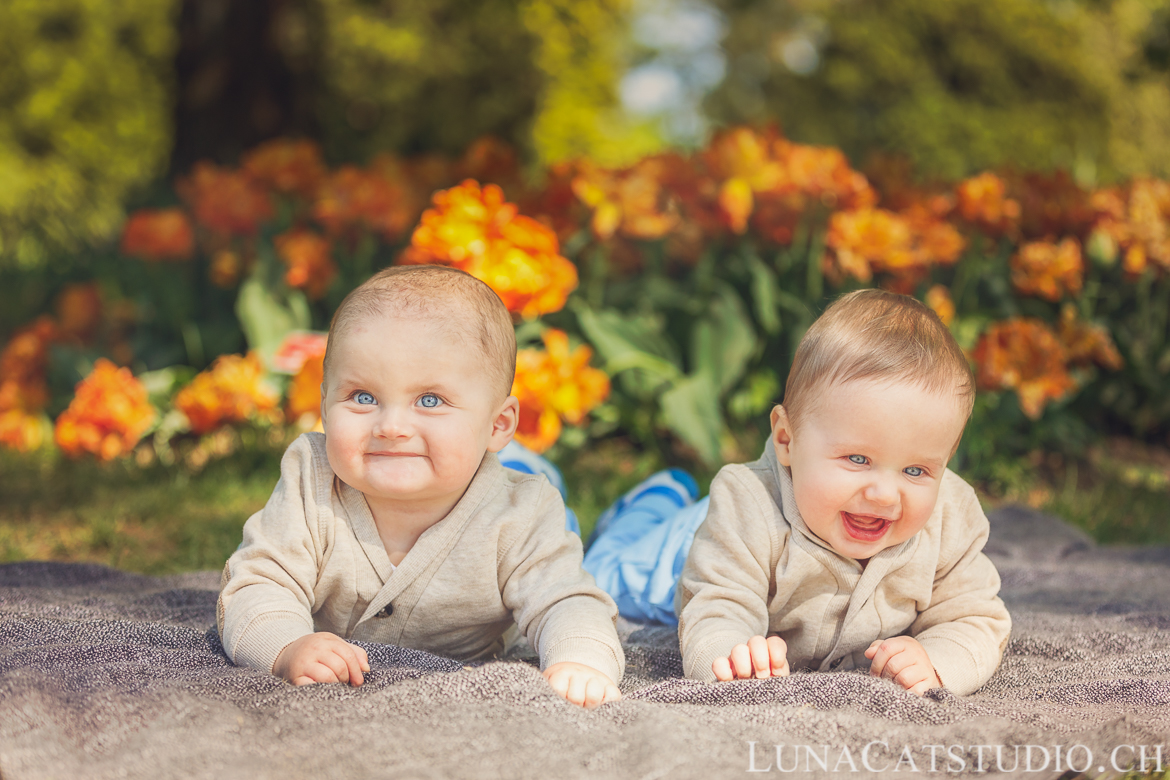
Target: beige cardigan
(756, 569)
(312, 560)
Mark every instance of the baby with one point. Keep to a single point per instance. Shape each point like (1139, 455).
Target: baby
(399, 525)
(849, 544)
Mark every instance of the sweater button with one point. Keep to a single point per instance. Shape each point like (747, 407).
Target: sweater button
(386, 611)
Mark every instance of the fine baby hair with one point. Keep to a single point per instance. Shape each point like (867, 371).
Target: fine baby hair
(876, 335)
(467, 305)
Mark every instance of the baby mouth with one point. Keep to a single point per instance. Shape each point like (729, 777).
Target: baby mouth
(865, 529)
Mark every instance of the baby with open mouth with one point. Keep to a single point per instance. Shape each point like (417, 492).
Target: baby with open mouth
(848, 544)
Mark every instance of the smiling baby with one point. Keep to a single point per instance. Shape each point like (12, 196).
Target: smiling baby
(849, 544)
(399, 525)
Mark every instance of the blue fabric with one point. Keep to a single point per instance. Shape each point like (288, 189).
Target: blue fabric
(639, 552)
(673, 484)
(517, 457)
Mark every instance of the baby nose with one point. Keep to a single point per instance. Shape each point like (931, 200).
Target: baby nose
(882, 491)
(391, 422)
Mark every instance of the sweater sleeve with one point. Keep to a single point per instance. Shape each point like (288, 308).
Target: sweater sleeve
(555, 602)
(966, 627)
(266, 600)
(724, 587)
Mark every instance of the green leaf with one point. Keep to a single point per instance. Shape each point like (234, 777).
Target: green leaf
(760, 392)
(266, 317)
(161, 383)
(529, 333)
(629, 342)
(765, 294)
(967, 330)
(724, 340)
(691, 410)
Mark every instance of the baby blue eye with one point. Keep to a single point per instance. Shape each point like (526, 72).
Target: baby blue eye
(430, 401)
(914, 471)
(860, 460)
(364, 398)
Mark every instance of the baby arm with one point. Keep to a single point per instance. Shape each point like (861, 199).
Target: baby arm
(903, 660)
(266, 597)
(723, 590)
(321, 658)
(559, 608)
(580, 684)
(965, 628)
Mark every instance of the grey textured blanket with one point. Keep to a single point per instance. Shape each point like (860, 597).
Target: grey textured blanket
(108, 674)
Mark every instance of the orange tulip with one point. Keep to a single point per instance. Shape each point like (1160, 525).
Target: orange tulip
(1086, 342)
(552, 385)
(232, 390)
(1048, 270)
(982, 201)
(1022, 354)
(158, 235)
(477, 231)
(938, 298)
(108, 414)
(633, 201)
(287, 166)
(224, 201)
(353, 199)
(23, 364)
(304, 392)
(23, 431)
(307, 256)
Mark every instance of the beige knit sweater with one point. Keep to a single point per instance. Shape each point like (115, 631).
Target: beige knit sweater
(756, 569)
(312, 560)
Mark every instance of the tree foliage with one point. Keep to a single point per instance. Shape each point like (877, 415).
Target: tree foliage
(433, 75)
(957, 85)
(86, 116)
(425, 74)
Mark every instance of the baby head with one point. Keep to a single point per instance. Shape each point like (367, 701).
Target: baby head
(418, 371)
(874, 408)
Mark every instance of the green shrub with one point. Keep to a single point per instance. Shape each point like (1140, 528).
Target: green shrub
(84, 85)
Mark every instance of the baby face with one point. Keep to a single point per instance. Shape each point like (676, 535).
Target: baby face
(409, 408)
(867, 461)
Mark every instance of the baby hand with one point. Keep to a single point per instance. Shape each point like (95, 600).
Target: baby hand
(581, 685)
(904, 661)
(321, 658)
(759, 658)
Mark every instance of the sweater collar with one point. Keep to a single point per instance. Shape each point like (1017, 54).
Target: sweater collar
(432, 541)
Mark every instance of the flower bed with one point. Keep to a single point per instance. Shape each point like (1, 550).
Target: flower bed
(660, 302)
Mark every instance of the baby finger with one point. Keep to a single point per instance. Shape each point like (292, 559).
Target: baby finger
(594, 693)
(761, 665)
(577, 686)
(741, 661)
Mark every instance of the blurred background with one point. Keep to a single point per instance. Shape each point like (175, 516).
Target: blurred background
(664, 192)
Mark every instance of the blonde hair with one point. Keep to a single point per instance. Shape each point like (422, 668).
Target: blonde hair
(875, 334)
(439, 293)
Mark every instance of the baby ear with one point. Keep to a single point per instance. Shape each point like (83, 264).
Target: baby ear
(504, 424)
(782, 435)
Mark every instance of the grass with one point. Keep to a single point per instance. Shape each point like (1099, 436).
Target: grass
(146, 516)
(1119, 493)
(149, 518)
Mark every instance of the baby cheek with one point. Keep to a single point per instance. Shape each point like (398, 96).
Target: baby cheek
(341, 448)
